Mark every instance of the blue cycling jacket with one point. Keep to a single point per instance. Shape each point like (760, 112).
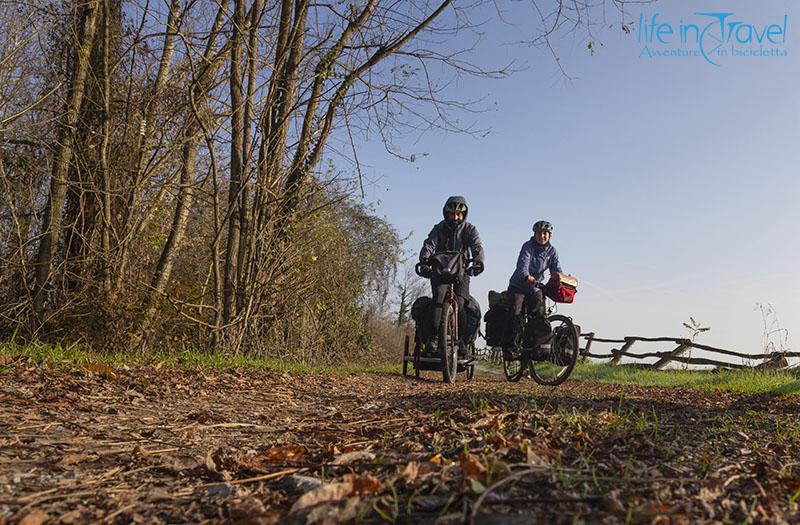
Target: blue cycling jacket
(534, 259)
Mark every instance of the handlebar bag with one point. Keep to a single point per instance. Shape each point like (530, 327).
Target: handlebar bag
(448, 267)
(561, 288)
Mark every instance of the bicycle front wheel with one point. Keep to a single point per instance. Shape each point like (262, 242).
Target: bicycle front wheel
(406, 355)
(514, 364)
(552, 365)
(448, 344)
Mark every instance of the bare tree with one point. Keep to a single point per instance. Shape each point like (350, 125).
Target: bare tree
(166, 169)
(86, 21)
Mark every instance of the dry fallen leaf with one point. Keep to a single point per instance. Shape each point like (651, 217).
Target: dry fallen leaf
(535, 459)
(330, 492)
(351, 484)
(363, 484)
(472, 466)
(285, 453)
(411, 472)
(37, 517)
(498, 440)
(101, 370)
(353, 457)
(609, 418)
(652, 512)
(330, 514)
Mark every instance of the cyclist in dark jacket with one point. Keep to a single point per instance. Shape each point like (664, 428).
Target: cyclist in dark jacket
(536, 256)
(455, 234)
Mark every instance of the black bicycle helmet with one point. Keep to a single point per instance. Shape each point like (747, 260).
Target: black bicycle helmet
(542, 226)
(455, 203)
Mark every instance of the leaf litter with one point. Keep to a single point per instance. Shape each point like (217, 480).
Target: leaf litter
(162, 445)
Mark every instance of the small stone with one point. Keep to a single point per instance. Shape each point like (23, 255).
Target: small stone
(223, 490)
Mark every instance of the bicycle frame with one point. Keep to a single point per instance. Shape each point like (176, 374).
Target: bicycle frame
(450, 297)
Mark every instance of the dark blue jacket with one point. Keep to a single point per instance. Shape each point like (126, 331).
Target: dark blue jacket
(442, 238)
(534, 259)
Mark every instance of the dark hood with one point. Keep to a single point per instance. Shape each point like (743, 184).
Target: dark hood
(456, 199)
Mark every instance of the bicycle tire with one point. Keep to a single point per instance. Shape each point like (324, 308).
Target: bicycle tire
(471, 367)
(448, 344)
(513, 372)
(563, 353)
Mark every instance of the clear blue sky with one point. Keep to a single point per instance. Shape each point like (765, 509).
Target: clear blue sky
(672, 183)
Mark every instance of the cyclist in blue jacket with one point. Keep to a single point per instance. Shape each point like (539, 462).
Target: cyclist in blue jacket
(536, 256)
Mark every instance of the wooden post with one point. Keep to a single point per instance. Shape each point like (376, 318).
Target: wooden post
(777, 362)
(589, 338)
(628, 343)
(661, 363)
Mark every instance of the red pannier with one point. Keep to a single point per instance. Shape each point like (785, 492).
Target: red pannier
(561, 288)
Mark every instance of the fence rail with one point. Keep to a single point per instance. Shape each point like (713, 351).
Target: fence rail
(772, 360)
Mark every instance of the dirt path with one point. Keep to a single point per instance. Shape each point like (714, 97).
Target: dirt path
(149, 446)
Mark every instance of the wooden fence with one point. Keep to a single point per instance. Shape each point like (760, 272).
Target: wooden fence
(770, 361)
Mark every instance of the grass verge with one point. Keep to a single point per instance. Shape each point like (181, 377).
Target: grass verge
(74, 356)
(738, 381)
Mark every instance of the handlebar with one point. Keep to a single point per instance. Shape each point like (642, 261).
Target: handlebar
(426, 270)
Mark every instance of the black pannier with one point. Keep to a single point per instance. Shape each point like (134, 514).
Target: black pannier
(420, 308)
(421, 314)
(537, 331)
(496, 322)
(471, 319)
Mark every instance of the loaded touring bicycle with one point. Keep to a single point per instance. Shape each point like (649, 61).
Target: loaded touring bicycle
(547, 347)
(455, 351)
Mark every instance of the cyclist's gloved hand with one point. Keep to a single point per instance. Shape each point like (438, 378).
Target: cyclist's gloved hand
(424, 270)
(477, 268)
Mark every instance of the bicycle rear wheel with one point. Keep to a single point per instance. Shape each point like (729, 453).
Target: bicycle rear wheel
(448, 344)
(552, 366)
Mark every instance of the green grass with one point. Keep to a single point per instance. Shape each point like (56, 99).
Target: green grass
(73, 356)
(737, 381)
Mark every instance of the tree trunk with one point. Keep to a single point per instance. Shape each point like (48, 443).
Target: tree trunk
(235, 187)
(180, 218)
(197, 120)
(52, 225)
(105, 223)
(245, 215)
(145, 143)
